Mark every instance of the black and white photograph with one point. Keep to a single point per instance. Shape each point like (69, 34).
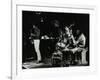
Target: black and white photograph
(54, 39)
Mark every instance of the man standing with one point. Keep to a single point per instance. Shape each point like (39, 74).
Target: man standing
(35, 35)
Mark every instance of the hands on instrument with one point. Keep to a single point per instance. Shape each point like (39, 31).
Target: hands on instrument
(78, 49)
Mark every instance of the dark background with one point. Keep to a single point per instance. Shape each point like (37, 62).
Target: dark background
(30, 17)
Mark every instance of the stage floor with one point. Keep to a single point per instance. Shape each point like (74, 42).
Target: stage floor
(33, 64)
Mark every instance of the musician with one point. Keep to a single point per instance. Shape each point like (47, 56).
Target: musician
(70, 44)
(76, 45)
(56, 30)
(80, 42)
(68, 38)
(35, 35)
(66, 44)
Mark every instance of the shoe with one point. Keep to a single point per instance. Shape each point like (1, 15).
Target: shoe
(39, 62)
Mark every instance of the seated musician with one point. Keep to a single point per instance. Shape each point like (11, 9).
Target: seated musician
(70, 45)
(80, 42)
(76, 45)
(66, 44)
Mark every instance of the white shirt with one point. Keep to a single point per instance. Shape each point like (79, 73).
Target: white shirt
(81, 40)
